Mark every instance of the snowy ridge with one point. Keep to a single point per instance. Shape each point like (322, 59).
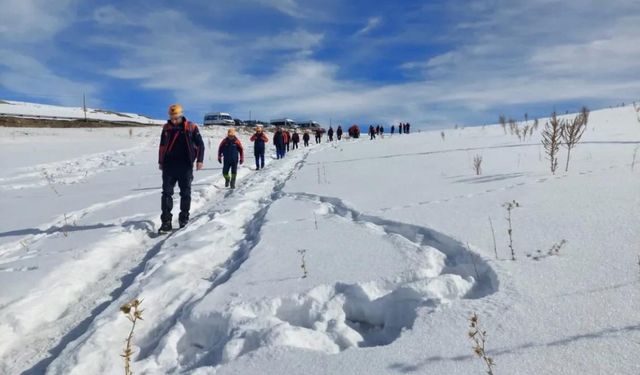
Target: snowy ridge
(33, 110)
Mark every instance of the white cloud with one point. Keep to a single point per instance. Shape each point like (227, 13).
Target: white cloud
(26, 75)
(33, 20)
(372, 23)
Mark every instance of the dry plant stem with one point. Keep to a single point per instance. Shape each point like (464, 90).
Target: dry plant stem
(479, 338)
(134, 313)
(493, 233)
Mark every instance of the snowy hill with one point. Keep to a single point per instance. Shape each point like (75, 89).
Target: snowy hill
(33, 110)
(402, 243)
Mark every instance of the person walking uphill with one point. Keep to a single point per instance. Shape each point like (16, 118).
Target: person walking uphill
(372, 132)
(305, 138)
(318, 136)
(278, 141)
(259, 140)
(295, 139)
(330, 134)
(231, 150)
(180, 145)
(339, 132)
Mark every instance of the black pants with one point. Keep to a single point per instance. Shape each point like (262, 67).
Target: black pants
(287, 146)
(259, 154)
(229, 165)
(339, 136)
(318, 139)
(306, 143)
(184, 177)
(295, 145)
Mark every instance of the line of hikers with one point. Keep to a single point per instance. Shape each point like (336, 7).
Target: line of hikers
(181, 145)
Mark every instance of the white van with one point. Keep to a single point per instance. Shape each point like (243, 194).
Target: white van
(284, 123)
(218, 118)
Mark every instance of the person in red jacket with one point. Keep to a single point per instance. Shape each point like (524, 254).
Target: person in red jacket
(231, 150)
(259, 139)
(287, 139)
(180, 145)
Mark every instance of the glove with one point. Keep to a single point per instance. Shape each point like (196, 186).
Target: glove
(220, 160)
(241, 161)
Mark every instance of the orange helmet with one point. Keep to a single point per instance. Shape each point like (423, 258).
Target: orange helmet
(175, 110)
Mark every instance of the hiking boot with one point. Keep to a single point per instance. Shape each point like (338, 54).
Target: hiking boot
(166, 227)
(183, 223)
(233, 182)
(226, 182)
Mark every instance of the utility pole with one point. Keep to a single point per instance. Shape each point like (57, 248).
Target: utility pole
(84, 105)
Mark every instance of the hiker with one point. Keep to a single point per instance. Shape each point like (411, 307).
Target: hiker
(378, 130)
(231, 150)
(287, 139)
(372, 132)
(393, 129)
(295, 139)
(180, 145)
(339, 132)
(259, 139)
(400, 128)
(278, 141)
(318, 135)
(330, 134)
(305, 138)
(407, 128)
(381, 131)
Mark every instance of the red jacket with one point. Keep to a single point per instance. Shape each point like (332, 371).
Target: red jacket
(287, 136)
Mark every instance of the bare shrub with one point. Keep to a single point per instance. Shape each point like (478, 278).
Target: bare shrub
(477, 164)
(551, 137)
(553, 251)
(571, 132)
(503, 122)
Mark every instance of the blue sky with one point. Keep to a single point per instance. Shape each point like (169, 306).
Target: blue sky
(434, 63)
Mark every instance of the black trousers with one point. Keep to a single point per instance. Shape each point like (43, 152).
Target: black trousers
(232, 166)
(170, 176)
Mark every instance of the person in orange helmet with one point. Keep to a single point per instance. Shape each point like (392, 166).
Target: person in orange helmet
(180, 146)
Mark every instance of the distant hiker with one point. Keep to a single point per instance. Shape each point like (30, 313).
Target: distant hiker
(180, 145)
(259, 139)
(407, 128)
(400, 128)
(378, 130)
(231, 150)
(354, 131)
(372, 132)
(381, 131)
(330, 134)
(339, 132)
(287, 139)
(295, 139)
(278, 141)
(393, 129)
(305, 138)
(318, 135)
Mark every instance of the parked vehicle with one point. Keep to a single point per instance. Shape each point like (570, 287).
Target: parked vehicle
(254, 123)
(218, 118)
(311, 126)
(239, 122)
(284, 123)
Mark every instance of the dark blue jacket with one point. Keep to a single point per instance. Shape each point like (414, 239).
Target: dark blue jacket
(230, 149)
(278, 139)
(170, 134)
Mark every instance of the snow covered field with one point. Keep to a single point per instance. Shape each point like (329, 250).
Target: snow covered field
(399, 252)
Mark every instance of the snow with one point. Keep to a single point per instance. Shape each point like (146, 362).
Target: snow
(35, 110)
(399, 253)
